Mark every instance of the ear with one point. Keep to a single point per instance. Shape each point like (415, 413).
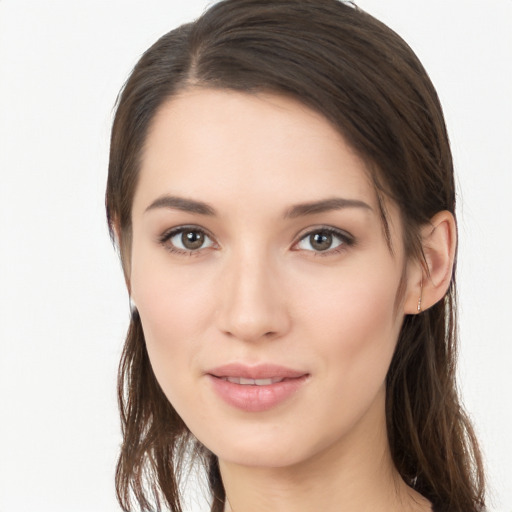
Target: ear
(428, 280)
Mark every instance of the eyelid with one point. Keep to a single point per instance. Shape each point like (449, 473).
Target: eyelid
(164, 238)
(347, 239)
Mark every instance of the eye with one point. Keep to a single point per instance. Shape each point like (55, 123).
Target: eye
(186, 240)
(325, 240)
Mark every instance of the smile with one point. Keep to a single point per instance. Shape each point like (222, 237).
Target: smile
(256, 388)
(253, 382)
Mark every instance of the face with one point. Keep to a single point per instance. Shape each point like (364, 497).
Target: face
(265, 286)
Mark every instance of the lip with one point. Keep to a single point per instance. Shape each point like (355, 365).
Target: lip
(260, 371)
(256, 398)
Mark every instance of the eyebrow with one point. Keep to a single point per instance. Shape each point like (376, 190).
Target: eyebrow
(325, 205)
(180, 203)
(298, 210)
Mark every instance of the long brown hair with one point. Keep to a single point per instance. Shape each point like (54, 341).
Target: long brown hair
(368, 83)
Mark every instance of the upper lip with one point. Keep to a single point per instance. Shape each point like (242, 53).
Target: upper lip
(260, 371)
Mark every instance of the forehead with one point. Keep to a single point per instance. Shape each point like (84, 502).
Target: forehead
(229, 145)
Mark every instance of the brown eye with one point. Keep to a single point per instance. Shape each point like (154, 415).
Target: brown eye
(186, 240)
(192, 239)
(324, 240)
(320, 241)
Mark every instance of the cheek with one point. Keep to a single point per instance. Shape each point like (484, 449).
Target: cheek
(350, 331)
(355, 300)
(355, 326)
(175, 309)
(170, 299)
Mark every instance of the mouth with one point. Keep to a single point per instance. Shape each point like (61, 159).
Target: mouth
(256, 388)
(258, 375)
(253, 382)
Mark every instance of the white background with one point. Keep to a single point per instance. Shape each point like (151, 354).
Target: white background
(63, 308)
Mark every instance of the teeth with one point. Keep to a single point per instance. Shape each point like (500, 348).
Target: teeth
(253, 382)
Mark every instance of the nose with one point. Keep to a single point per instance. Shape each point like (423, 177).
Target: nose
(253, 304)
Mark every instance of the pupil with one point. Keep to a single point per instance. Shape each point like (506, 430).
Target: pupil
(192, 239)
(321, 241)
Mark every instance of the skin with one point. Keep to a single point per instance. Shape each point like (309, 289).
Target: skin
(257, 291)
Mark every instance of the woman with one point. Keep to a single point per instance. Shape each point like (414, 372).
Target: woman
(281, 191)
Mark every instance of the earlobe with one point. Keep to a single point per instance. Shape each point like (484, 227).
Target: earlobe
(432, 276)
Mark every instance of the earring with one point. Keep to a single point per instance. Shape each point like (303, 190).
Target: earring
(421, 294)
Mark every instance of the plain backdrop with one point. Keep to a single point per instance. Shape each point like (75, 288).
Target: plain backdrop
(63, 307)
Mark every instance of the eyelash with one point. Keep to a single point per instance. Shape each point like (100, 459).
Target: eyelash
(346, 240)
(167, 235)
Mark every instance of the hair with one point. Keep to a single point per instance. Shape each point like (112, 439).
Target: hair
(362, 77)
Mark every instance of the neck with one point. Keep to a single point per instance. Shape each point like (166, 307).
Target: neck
(355, 474)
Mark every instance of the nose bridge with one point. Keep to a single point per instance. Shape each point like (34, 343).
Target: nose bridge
(252, 303)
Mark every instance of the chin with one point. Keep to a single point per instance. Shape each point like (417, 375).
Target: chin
(261, 457)
(264, 448)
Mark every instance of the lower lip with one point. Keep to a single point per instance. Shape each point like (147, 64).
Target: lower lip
(252, 398)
